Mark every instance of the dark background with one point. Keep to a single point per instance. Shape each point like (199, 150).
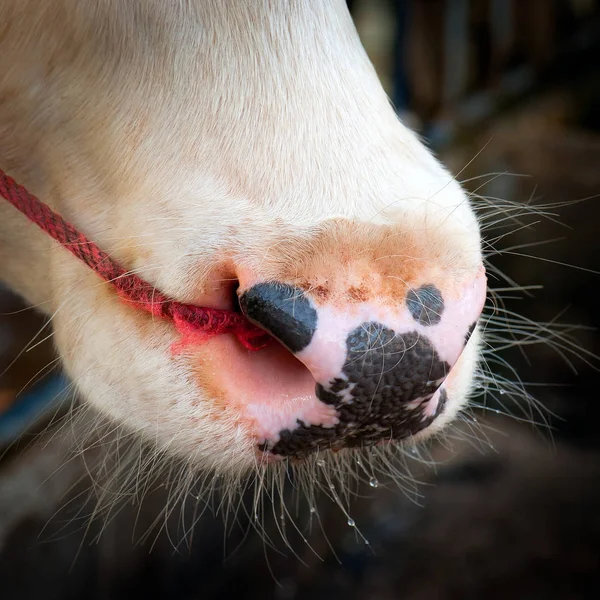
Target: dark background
(495, 87)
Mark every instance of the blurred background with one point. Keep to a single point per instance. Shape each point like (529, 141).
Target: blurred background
(506, 92)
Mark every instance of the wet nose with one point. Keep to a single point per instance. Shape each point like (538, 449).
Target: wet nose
(381, 368)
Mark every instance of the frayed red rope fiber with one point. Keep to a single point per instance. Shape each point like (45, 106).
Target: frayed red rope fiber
(195, 323)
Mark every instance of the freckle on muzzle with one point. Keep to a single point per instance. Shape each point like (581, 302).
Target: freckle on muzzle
(383, 387)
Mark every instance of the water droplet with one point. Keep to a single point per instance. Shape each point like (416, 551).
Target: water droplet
(321, 462)
(373, 482)
(474, 419)
(351, 522)
(331, 486)
(358, 462)
(502, 392)
(313, 509)
(413, 451)
(367, 542)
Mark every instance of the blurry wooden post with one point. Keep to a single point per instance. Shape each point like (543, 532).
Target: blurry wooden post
(424, 56)
(542, 27)
(502, 27)
(402, 91)
(456, 52)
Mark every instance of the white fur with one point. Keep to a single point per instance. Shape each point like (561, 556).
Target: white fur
(181, 134)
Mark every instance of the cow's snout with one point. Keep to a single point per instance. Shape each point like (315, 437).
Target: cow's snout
(379, 364)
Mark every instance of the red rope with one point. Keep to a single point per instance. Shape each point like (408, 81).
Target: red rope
(195, 323)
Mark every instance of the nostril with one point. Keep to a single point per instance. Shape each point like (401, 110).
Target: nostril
(283, 310)
(234, 296)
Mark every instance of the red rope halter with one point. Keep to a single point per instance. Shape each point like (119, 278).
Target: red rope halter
(195, 323)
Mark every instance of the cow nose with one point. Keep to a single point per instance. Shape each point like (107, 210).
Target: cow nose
(381, 365)
(284, 311)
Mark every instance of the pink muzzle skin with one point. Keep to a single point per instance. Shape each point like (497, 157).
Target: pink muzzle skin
(379, 370)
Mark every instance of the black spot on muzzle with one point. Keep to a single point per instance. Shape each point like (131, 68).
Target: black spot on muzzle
(284, 311)
(381, 393)
(426, 305)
